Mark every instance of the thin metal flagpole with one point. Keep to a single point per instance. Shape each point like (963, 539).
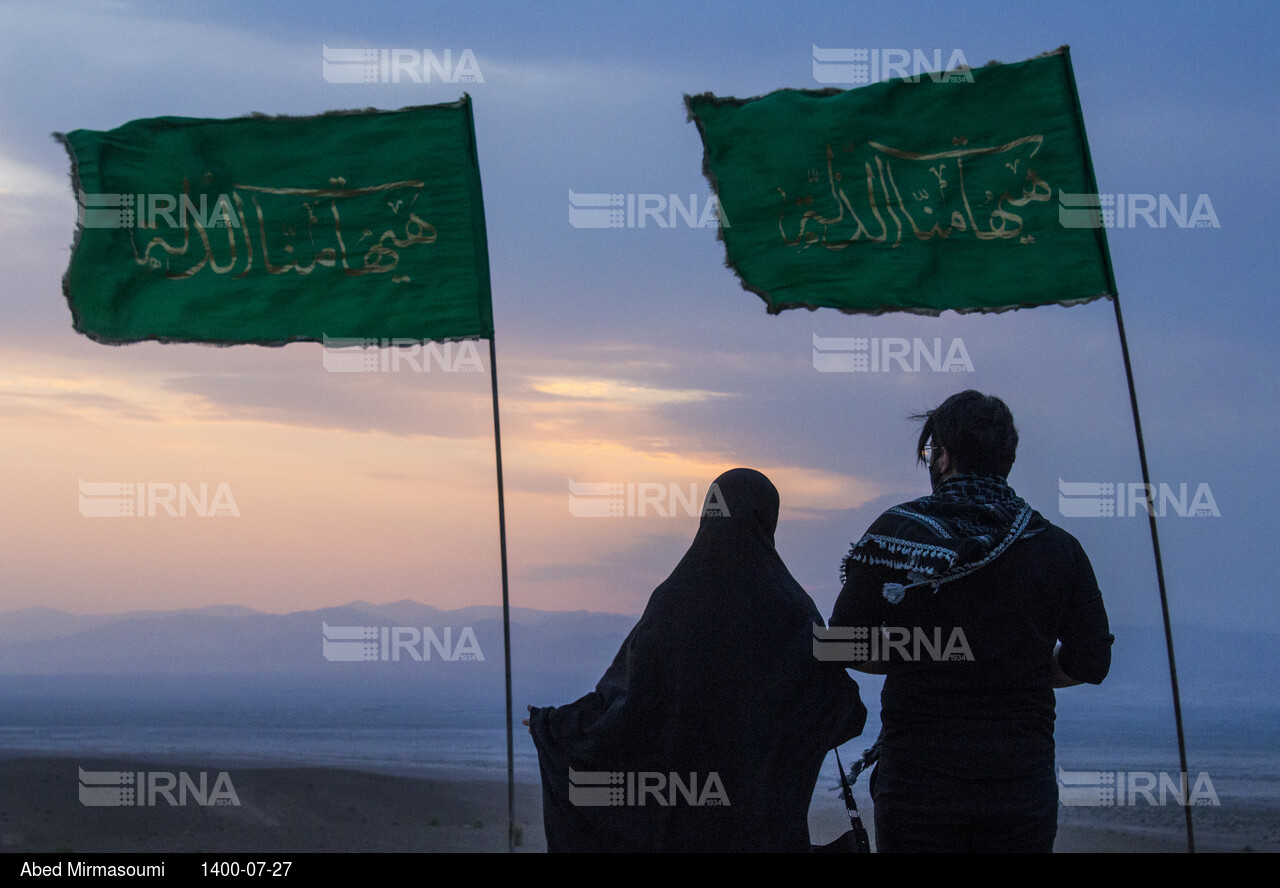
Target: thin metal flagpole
(506, 607)
(1164, 598)
(1114, 293)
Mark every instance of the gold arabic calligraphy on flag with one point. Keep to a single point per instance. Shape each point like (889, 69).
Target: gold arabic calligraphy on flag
(302, 227)
(934, 198)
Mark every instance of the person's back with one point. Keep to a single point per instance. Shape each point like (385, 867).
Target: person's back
(716, 687)
(973, 695)
(968, 592)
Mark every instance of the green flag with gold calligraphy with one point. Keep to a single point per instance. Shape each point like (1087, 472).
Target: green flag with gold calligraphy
(267, 230)
(970, 191)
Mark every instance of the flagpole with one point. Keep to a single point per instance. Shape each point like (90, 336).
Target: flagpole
(506, 607)
(1164, 598)
(1114, 292)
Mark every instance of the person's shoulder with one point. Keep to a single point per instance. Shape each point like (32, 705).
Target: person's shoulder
(1046, 529)
(895, 516)
(1046, 536)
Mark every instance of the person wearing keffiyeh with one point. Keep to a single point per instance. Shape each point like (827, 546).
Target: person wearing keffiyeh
(976, 608)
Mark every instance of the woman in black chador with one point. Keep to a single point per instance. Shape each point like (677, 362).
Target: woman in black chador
(708, 731)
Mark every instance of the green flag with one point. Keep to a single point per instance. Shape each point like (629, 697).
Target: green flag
(267, 230)
(971, 192)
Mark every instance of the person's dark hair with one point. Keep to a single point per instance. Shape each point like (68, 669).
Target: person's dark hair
(977, 431)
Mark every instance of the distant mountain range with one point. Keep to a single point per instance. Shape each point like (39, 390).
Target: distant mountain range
(416, 650)
(458, 655)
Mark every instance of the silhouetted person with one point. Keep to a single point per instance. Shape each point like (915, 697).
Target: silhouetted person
(716, 689)
(967, 754)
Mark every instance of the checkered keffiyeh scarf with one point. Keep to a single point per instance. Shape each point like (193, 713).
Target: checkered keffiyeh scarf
(966, 523)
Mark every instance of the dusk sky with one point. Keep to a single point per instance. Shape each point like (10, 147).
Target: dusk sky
(631, 355)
